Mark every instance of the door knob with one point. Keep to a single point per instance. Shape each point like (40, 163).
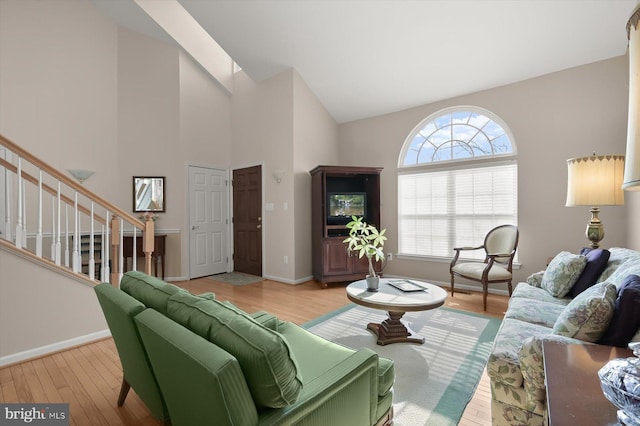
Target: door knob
(194, 227)
(259, 226)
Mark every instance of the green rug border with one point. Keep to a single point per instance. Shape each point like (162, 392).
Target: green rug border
(327, 316)
(442, 410)
(452, 393)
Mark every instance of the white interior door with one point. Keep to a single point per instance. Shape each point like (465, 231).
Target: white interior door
(208, 221)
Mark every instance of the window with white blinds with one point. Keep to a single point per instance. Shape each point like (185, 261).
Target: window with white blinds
(456, 205)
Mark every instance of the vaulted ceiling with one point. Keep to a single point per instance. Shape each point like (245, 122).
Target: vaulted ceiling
(364, 58)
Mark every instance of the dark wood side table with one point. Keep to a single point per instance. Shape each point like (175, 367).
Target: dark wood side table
(159, 246)
(574, 395)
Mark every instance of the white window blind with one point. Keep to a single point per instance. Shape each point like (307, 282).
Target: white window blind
(442, 209)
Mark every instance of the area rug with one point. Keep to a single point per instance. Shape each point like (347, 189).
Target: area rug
(235, 278)
(434, 380)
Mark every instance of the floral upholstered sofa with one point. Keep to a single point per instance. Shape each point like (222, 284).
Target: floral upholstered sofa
(592, 297)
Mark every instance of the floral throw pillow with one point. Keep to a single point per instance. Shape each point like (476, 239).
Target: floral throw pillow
(562, 273)
(535, 279)
(588, 315)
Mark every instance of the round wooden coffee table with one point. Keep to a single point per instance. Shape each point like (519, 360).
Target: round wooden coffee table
(396, 302)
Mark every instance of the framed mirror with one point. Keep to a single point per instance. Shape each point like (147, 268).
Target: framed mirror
(148, 194)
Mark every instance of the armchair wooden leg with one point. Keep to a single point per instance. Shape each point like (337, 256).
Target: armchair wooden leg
(510, 289)
(124, 390)
(451, 285)
(485, 290)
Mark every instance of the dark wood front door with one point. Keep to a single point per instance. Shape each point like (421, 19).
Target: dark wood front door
(247, 220)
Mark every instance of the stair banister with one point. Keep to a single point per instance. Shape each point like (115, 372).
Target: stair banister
(113, 237)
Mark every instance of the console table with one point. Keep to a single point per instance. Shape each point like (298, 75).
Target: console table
(574, 395)
(159, 244)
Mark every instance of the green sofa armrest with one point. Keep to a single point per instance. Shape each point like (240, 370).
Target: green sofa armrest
(201, 383)
(119, 310)
(346, 394)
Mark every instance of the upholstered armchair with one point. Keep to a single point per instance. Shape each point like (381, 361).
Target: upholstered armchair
(500, 246)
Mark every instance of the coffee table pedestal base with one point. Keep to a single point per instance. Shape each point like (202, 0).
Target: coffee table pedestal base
(393, 330)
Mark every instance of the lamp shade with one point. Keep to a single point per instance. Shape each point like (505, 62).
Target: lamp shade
(595, 181)
(632, 168)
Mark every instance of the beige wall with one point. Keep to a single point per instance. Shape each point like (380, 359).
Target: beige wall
(172, 113)
(315, 142)
(58, 86)
(280, 124)
(43, 311)
(262, 133)
(58, 99)
(555, 117)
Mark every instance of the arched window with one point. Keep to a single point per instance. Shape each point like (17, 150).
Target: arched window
(457, 179)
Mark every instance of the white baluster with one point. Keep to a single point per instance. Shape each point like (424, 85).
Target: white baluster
(92, 266)
(102, 255)
(8, 196)
(76, 238)
(134, 261)
(53, 230)
(120, 257)
(106, 246)
(19, 228)
(66, 234)
(58, 257)
(39, 234)
(24, 213)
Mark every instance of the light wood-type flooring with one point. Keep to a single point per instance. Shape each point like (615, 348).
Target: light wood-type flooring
(88, 377)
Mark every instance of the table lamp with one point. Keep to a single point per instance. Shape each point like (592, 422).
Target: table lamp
(595, 181)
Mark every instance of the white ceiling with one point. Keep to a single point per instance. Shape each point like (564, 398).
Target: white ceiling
(364, 58)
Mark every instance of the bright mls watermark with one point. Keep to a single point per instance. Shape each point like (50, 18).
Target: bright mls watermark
(34, 414)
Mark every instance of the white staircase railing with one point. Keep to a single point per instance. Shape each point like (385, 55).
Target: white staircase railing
(60, 222)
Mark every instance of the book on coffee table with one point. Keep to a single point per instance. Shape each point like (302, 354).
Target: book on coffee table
(406, 285)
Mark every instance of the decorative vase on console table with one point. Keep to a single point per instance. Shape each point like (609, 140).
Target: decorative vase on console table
(620, 380)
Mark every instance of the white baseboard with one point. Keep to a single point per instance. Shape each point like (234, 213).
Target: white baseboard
(288, 281)
(54, 347)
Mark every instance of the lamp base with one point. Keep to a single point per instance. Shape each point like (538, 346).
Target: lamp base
(595, 230)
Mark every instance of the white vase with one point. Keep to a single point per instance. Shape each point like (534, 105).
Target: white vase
(372, 283)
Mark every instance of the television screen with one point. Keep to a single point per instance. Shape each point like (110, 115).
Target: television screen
(342, 205)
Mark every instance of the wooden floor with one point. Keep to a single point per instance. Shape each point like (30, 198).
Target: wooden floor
(88, 377)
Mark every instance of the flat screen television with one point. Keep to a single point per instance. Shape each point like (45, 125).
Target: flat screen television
(342, 205)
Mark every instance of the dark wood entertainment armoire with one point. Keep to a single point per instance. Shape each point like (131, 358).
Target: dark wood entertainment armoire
(331, 261)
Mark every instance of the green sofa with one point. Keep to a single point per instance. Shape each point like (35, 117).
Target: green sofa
(196, 360)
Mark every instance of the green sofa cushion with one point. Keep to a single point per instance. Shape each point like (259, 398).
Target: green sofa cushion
(266, 360)
(316, 356)
(264, 318)
(151, 291)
